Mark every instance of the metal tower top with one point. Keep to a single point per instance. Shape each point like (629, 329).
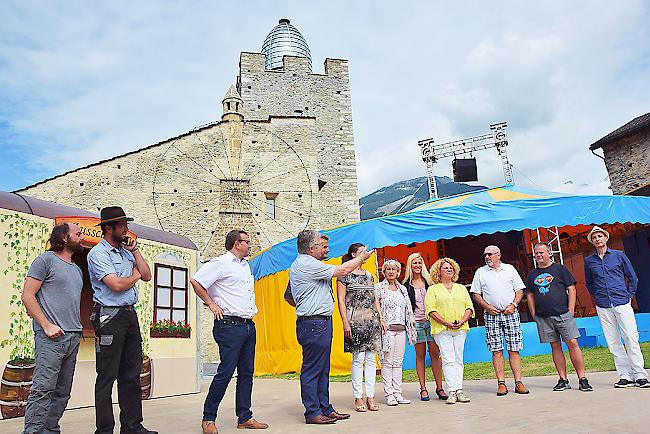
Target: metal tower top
(284, 40)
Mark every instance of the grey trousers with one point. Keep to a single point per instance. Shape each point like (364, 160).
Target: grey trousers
(51, 382)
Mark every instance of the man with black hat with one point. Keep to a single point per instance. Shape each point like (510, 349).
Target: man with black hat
(115, 265)
(606, 272)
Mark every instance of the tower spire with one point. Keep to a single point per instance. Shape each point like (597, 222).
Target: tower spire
(232, 105)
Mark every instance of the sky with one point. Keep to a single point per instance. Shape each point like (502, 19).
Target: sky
(85, 81)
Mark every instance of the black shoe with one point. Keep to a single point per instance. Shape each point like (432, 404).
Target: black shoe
(642, 382)
(624, 383)
(584, 385)
(141, 430)
(561, 385)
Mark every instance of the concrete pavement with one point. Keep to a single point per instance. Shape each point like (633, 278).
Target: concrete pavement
(277, 402)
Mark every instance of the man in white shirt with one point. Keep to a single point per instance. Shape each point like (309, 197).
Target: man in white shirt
(498, 289)
(226, 285)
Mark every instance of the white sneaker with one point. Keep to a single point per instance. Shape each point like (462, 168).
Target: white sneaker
(452, 398)
(461, 397)
(401, 400)
(392, 401)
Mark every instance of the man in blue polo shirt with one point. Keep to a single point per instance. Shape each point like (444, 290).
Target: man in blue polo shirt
(115, 265)
(606, 272)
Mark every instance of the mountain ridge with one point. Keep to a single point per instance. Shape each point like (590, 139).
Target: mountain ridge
(405, 195)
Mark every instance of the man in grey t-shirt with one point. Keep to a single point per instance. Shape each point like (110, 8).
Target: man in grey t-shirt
(52, 297)
(310, 291)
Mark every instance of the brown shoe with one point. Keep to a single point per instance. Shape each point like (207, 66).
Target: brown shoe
(209, 427)
(252, 424)
(320, 420)
(502, 389)
(338, 416)
(520, 388)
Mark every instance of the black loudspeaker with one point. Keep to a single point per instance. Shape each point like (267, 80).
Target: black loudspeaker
(464, 169)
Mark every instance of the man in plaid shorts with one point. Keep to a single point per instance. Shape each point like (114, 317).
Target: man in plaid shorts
(498, 289)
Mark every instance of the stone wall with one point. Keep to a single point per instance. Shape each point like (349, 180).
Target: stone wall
(627, 162)
(295, 91)
(297, 130)
(178, 185)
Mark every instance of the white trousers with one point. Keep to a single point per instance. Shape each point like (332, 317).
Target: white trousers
(359, 360)
(391, 364)
(628, 359)
(452, 345)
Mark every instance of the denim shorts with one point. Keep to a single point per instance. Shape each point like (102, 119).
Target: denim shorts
(423, 332)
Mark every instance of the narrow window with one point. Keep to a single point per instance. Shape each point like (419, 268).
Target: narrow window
(270, 204)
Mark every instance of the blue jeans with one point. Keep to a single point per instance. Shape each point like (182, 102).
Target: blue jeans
(236, 342)
(52, 381)
(315, 337)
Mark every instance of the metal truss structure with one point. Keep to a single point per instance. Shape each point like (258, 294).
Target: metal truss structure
(432, 152)
(550, 236)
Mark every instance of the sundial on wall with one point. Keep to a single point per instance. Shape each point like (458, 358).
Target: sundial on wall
(232, 175)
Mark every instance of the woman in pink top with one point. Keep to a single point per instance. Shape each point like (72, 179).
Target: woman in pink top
(417, 280)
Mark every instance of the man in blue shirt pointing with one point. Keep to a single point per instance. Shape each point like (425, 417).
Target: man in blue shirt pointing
(606, 272)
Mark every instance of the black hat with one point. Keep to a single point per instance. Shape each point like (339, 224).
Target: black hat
(112, 214)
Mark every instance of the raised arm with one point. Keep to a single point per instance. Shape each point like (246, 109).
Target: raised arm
(348, 267)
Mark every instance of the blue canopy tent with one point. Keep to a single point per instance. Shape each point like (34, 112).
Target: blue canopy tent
(487, 211)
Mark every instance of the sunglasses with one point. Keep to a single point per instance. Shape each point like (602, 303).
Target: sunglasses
(490, 253)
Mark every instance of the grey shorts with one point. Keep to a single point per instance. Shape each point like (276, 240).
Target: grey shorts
(550, 328)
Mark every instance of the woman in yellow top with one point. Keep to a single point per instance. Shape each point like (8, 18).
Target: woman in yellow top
(448, 307)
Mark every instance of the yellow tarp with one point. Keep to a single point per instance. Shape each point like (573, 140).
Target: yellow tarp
(277, 350)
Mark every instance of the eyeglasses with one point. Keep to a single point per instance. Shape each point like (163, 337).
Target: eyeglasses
(245, 241)
(490, 253)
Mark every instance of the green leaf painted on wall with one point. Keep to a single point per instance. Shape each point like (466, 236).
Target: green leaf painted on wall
(28, 239)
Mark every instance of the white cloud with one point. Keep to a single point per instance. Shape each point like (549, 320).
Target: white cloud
(103, 79)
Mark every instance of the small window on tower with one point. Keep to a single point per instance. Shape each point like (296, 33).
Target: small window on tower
(270, 204)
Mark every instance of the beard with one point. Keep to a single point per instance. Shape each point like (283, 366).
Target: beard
(117, 238)
(75, 247)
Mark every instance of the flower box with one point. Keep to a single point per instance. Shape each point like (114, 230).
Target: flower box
(169, 329)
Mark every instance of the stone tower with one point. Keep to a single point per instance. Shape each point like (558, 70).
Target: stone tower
(293, 90)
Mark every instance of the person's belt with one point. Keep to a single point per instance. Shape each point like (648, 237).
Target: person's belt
(125, 307)
(315, 318)
(237, 319)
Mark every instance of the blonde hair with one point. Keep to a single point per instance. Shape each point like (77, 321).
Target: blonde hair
(394, 262)
(435, 269)
(408, 272)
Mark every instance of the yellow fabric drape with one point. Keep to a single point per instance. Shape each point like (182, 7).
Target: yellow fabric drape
(277, 350)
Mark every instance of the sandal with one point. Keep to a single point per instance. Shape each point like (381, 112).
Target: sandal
(359, 407)
(372, 406)
(423, 391)
(441, 394)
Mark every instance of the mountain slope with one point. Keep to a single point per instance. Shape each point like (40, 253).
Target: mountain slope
(406, 195)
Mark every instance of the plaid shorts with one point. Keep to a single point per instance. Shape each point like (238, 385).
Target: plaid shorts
(499, 326)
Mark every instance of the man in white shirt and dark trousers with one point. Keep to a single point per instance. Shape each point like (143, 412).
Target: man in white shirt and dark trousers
(498, 289)
(226, 285)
